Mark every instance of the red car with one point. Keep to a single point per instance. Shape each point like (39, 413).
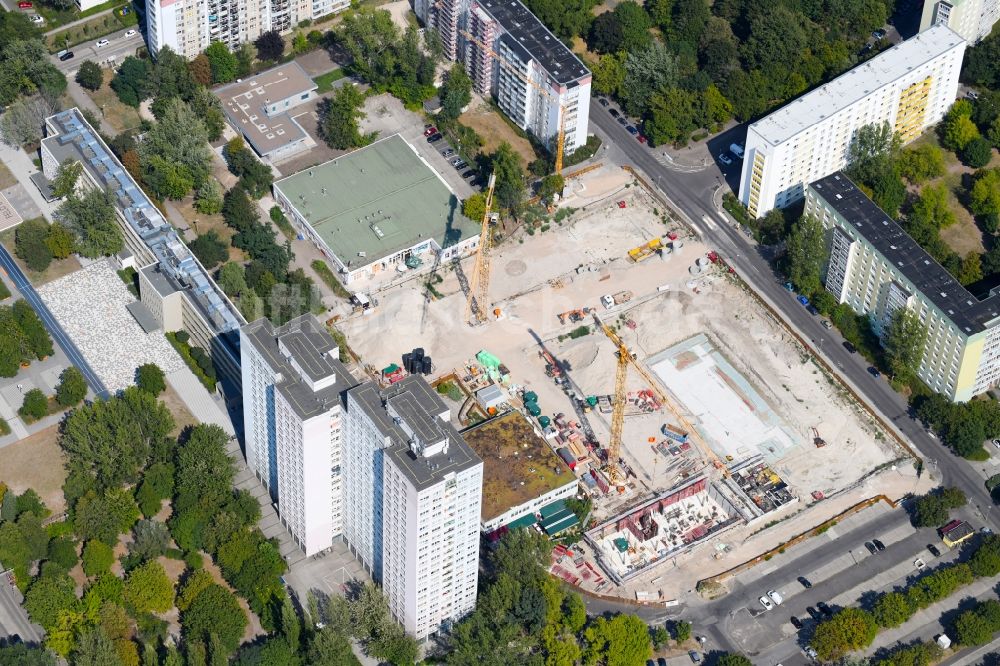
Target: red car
(24, 5)
(430, 130)
(641, 138)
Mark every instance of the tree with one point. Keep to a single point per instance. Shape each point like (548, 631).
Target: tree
(222, 62)
(620, 641)
(395, 647)
(23, 654)
(35, 333)
(957, 129)
(201, 70)
(59, 241)
(21, 122)
(35, 406)
(66, 178)
(147, 588)
(977, 153)
(681, 630)
(30, 245)
(291, 626)
(647, 71)
(933, 208)
(133, 81)
(72, 387)
(157, 485)
(474, 207)
(91, 220)
(848, 630)
(62, 551)
(872, 152)
(609, 74)
(97, 558)
(551, 185)
(90, 75)
(214, 610)
(804, 254)
(47, 596)
(232, 277)
(176, 150)
(209, 249)
(971, 269)
(729, 659)
(255, 176)
(635, 25)
(205, 471)
(150, 378)
(270, 46)
(150, 539)
(339, 116)
(510, 188)
(971, 629)
(96, 649)
(456, 92)
(921, 163)
(104, 517)
(330, 648)
(904, 340)
(208, 198)
(891, 610)
(984, 197)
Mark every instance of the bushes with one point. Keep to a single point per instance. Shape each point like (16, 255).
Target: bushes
(280, 221)
(72, 387)
(931, 510)
(196, 364)
(35, 406)
(150, 379)
(327, 276)
(848, 630)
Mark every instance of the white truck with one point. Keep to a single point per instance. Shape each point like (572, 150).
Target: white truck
(611, 300)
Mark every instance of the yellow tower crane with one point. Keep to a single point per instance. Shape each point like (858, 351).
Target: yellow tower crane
(561, 134)
(477, 310)
(626, 358)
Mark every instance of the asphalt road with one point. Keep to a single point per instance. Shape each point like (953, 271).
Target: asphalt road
(55, 330)
(120, 47)
(695, 194)
(13, 618)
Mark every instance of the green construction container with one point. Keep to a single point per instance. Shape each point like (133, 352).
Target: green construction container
(592, 400)
(544, 421)
(533, 408)
(530, 396)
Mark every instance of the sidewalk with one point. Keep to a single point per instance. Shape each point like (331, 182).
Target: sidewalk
(22, 167)
(80, 21)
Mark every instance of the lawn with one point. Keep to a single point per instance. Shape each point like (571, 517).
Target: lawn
(92, 29)
(57, 269)
(7, 179)
(59, 17)
(325, 81)
(201, 224)
(120, 116)
(494, 130)
(36, 462)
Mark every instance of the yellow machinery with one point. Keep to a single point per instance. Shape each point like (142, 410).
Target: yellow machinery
(561, 135)
(625, 358)
(645, 251)
(479, 289)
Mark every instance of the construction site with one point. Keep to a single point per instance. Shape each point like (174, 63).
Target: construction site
(688, 414)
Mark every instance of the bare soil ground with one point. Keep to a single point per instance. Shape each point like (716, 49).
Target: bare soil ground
(182, 417)
(36, 462)
(495, 130)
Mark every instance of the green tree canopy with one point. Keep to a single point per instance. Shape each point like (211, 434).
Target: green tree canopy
(222, 62)
(848, 630)
(91, 220)
(456, 92)
(72, 388)
(214, 610)
(339, 116)
(805, 254)
(621, 641)
(147, 588)
(90, 75)
(904, 340)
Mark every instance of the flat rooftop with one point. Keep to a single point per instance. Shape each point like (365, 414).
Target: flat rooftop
(535, 41)
(245, 104)
(304, 342)
(419, 406)
(856, 84)
(377, 201)
(970, 314)
(518, 465)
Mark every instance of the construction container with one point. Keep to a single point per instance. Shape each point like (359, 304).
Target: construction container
(567, 457)
(533, 408)
(544, 421)
(426, 365)
(674, 433)
(530, 396)
(418, 353)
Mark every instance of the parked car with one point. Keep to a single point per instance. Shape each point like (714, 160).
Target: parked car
(796, 622)
(641, 137)
(850, 348)
(661, 662)
(996, 443)
(736, 149)
(805, 582)
(933, 550)
(813, 613)
(766, 603)
(919, 564)
(878, 544)
(65, 55)
(469, 174)
(826, 324)
(824, 609)
(434, 138)
(879, 34)
(622, 121)
(614, 113)
(725, 159)
(873, 371)
(973, 95)
(430, 130)
(871, 547)
(130, 33)
(25, 5)
(461, 165)
(812, 309)
(447, 152)
(810, 652)
(695, 656)
(102, 42)
(802, 299)
(603, 101)
(36, 19)
(631, 130)
(775, 597)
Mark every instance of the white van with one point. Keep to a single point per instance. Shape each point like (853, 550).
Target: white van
(736, 149)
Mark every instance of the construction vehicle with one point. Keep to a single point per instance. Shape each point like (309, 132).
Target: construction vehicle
(645, 251)
(611, 300)
(818, 441)
(561, 135)
(479, 291)
(573, 316)
(626, 358)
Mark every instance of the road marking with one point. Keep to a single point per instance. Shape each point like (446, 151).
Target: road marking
(707, 220)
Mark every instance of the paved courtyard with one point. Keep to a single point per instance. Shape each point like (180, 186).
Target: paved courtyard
(90, 304)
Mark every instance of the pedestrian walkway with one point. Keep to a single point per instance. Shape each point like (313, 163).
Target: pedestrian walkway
(80, 21)
(20, 164)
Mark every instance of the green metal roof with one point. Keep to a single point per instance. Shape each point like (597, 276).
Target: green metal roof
(549, 510)
(378, 200)
(553, 528)
(523, 521)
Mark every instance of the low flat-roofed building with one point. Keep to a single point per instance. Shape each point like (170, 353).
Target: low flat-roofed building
(262, 108)
(521, 472)
(371, 210)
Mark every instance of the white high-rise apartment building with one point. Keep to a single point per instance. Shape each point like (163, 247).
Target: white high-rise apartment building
(189, 26)
(973, 20)
(910, 86)
(412, 490)
(293, 383)
(534, 79)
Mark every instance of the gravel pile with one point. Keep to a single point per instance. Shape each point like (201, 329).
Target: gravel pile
(90, 304)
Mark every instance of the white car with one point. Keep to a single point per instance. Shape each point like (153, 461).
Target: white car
(130, 33)
(725, 159)
(766, 603)
(35, 18)
(101, 42)
(608, 301)
(810, 652)
(775, 597)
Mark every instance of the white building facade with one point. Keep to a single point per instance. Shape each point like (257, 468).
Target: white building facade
(413, 489)
(189, 26)
(910, 86)
(534, 79)
(973, 20)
